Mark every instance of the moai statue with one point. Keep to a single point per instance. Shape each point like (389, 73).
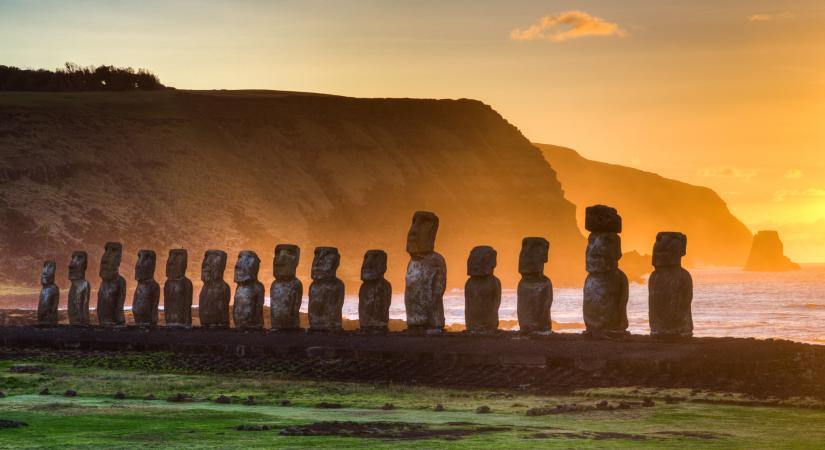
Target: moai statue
(177, 291)
(80, 291)
(147, 293)
(670, 288)
(482, 292)
(248, 310)
(112, 293)
(49, 296)
(287, 291)
(426, 277)
(326, 293)
(375, 295)
(535, 291)
(213, 302)
(606, 287)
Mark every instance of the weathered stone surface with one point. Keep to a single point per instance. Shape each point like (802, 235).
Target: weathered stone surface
(535, 290)
(248, 310)
(606, 287)
(482, 292)
(426, 277)
(49, 296)
(80, 291)
(604, 250)
(375, 295)
(177, 291)
(112, 293)
(287, 291)
(213, 301)
(670, 288)
(147, 293)
(326, 293)
(602, 218)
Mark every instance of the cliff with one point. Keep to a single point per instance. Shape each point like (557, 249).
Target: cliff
(768, 254)
(650, 203)
(249, 169)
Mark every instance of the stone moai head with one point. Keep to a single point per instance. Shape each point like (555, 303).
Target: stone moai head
(176, 264)
(110, 263)
(145, 266)
(285, 262)
(421, 237)
(374, 266)
(603, 252)
(247, 267)
(669, 249)
(47, 274)
(213, 266)
(482, 261)
(77, 265)
(533, 256)
(325, 263)
(602, 218)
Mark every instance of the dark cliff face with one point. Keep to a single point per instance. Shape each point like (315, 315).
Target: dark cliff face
(650, 203)
(249, 170)
(768, 254)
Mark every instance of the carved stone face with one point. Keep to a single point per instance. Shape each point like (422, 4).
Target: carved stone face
(176, 264)
(286, 260)
(421, 237)
(669, 249)
(602, 218)
(77, 266)
(110, 263)
(325, 263)
(533, 256)
(247, 267)
(481, 262)
(145, 266)
(214, 265)
(374, 266)
(603, 252)
(47, 274)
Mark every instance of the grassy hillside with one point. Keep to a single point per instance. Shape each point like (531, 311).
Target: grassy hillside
(250, 169)
(650, 203)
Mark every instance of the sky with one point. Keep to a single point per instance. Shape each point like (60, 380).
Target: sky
(725, 94)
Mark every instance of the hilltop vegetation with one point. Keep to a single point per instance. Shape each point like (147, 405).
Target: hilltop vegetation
(72, 77)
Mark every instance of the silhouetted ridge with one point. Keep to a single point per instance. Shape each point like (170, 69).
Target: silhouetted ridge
(75, 78)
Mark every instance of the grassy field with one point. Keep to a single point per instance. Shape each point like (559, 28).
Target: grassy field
(287, 413)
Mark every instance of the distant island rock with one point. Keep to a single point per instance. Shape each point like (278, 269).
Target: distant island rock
(767, 254)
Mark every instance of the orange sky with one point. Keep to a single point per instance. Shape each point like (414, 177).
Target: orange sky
(728, 94)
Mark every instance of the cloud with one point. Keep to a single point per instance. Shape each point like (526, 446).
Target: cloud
(770, 17)
(783, 194)
(565, 26)
(728, 172)
(793, 174)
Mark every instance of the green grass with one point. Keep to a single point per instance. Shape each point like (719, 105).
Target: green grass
(95, 419)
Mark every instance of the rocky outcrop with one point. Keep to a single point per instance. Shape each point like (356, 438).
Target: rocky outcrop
(768, 254)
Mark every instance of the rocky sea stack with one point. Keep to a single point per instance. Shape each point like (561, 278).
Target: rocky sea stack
(767, 254)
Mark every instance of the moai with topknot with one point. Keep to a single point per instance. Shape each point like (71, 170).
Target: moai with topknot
(287, 291)
(670, 288)
(213, 301)
(606, 287)
(147, 293)
(326, 293)
(49, 296)
(375, 295)
(248, 310)
(177, 291)
(112, 293)
(535, 290)
(482, 292)
(80, 291)
(426, 277)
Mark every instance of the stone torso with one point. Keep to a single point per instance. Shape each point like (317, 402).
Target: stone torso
(605, 301)
(424, 291)
(145, 303)
(285, 304)
(110, 299)
(47, 306)
(670, 296)
(326, 300)
(482, 299)
(213, 304)
(78, 307)
(177, 302)
(535, 297)
(249, 305)
(374, 298)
